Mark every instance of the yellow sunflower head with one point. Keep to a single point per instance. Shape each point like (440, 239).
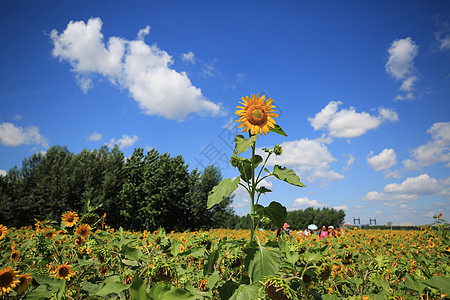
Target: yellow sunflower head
(70, 218)
(3, 231)
(8, 280)
(256, 114)
(84, 230)
(24, 282)
(64, 271)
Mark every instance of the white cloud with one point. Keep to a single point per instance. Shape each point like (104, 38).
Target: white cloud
(410, 189)
(124, 142)
(350, 161)
(393, 174)
(3, 172)
(400, 64)
(11, 135)
(95, 137)
(347, 123)
(305, 202)
(435, 151)
(141, 69)
(420, 185)
(386, 159)
(188, 57)
(309, 158)
(341, 207)
(143, 33)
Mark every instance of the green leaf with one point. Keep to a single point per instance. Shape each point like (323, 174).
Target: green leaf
(261, 261)
(212, 259)
(223, 189)
(276, 212)
(138, 289)
(163, 291)
(242, 144)
(212, 280)
(287, 175)
(131, 253)
(245, 292)
(227, 290)
(41, 292)
(414, 284)
(111, 285)
(245, 168)
(440, 283)
(257, 159)
(279, 130)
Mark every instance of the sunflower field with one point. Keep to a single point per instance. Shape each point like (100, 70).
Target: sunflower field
(82, 258)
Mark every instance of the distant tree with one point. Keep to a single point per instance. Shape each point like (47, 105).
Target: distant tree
(200, 186)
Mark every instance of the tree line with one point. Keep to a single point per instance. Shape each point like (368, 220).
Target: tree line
(143, 191)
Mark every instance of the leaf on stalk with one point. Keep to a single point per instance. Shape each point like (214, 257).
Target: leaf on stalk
(245, 292)
(440, 283)
(279, 130)
(166, 292)
(287, 175)
(276, 212)
(261, 261)
(138, 289)
(223, 189)
(242, 144)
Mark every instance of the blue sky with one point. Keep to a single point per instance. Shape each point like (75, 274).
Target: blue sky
(362, 89)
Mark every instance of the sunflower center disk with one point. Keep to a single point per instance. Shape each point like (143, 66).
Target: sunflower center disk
(256, 115)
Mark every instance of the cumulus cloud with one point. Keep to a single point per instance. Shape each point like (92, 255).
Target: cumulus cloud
(124, 142)
(95, 137)
(341, 207)
(410, 189)
(386, 159)
(400, 65)
(309, 158)
(435, 151)
(188, 57)
(12, 135)
(3, 172)
(141, 69)
(347, 123)
(305, 202)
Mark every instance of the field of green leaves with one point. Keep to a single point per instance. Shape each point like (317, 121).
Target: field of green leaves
(89, 260)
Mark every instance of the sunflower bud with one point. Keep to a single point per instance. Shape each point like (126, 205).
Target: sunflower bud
(277, 150)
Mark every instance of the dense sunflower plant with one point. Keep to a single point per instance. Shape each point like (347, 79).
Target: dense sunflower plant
(257, 117)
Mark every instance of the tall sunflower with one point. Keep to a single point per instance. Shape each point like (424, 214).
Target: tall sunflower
(8, 280)
(64, 271)
(3, 231)
(256, 114)
(70, 218)
(24, 282)
(84, 230)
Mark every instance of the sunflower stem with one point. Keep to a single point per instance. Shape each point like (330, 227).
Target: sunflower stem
(252, 192)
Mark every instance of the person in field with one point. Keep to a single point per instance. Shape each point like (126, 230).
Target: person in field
(323, 232)
(284, 229)
(331, 231)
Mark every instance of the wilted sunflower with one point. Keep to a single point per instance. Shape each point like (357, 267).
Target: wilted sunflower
(79, 241)
(8, 280)
(3, 231)
(84, 230)
(15, 255)
(256, 114)
(70, 218)
(64, 271)
(24, 282)
(103, 271)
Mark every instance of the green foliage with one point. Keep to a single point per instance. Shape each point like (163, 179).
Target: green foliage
(145, 191)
